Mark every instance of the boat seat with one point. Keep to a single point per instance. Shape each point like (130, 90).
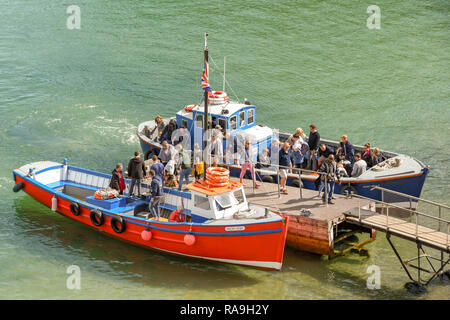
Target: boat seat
(160, 219)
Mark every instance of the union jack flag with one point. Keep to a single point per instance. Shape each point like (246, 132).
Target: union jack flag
(205, 78)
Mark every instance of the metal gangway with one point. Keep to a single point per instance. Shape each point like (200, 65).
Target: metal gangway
(425, 229)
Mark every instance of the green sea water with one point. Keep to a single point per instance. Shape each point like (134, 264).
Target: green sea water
(81, 93)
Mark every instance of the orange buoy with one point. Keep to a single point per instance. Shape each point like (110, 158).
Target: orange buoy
(189, 239)
(146, 235)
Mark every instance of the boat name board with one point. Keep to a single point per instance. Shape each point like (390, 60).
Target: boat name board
(238, 228)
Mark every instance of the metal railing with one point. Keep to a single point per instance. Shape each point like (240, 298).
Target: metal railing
(270, 167)
(277, 172)
(385, 210)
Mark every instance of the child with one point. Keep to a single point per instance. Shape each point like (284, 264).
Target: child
(170, 178)
(197, 168)
(341, 172)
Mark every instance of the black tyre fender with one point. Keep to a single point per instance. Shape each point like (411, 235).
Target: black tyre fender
(75, 209)
(349, 188)
(18, 186)
(97, 218)
(268, 179)
(295, 183)
(140, 208)
(118, 224)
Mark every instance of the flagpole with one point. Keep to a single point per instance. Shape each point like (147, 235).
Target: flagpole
(205, 126)
(224, 65)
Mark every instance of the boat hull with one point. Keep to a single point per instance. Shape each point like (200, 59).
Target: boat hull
(260, 245)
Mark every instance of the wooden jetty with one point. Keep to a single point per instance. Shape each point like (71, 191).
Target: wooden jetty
(423, 229)
(314, 227)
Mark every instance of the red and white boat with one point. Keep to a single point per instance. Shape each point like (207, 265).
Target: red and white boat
(220, 224)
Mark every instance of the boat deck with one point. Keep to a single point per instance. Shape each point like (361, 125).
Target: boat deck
(291, 204)
(312, 224)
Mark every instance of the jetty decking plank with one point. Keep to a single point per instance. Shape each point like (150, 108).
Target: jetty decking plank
(406, 229)
(267, 196)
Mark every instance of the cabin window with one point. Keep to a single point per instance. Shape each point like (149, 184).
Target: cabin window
(233, 124)
(223, 124)
(184, 123)
(226, 201)
(250, 116)
(199, 121)
(241, 119)
(201, 202)
(239, 196)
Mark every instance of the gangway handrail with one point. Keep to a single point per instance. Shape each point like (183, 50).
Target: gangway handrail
(409, 196)
(402, 208)
(417, 213)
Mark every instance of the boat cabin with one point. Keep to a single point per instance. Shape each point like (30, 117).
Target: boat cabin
(236, 118)
(216, 203)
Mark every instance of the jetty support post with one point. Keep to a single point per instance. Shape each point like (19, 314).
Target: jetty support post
(253, 174)
(388, 237)
(278, 181)
(300, 183)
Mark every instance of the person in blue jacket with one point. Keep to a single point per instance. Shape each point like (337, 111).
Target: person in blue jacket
(158, 167)
(157, 194)
(323, 153)
(346, 151)
(284, 163)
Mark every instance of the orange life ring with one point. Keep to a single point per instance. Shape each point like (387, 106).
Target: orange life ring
(218, 171)
(190, 107)
(217, 177)
(218, 95)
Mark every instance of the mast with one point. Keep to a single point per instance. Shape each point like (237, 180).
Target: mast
(205, 126)
(224, 66)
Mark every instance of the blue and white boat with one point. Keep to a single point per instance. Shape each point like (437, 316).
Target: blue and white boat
(406, 176)
(398, 172)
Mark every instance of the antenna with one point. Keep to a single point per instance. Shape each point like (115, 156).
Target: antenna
(224, 67)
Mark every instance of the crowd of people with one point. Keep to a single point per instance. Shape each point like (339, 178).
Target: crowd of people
(296, 153)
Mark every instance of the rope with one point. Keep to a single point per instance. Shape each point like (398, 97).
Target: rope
(226, 81)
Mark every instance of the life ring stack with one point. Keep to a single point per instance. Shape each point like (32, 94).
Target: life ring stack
(218, 97)
(217, 177)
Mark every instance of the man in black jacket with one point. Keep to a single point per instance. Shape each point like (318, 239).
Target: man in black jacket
(313, 143)
(136, 171)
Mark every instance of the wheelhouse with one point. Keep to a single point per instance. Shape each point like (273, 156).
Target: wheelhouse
(236, 118)
(217, 203)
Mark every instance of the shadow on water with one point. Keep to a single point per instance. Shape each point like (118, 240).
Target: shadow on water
(343, 272)
(67, 241)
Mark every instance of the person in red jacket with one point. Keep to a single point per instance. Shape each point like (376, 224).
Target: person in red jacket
(177, 215)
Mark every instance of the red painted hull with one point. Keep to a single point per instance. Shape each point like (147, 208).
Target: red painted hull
(262, 249)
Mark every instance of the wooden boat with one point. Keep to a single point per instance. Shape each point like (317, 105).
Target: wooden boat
(220, 224)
